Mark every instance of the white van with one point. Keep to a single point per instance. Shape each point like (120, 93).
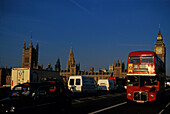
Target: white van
(24, 75)
(82, 84)
(106, 85)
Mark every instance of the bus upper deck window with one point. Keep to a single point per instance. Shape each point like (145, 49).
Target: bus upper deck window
(147, 59)
(134, 59)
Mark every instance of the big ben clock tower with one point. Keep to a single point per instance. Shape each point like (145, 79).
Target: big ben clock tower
(160, 48)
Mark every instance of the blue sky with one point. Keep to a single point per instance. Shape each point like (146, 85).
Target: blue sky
(99, 30)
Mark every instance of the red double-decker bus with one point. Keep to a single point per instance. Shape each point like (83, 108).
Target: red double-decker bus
(145, 77)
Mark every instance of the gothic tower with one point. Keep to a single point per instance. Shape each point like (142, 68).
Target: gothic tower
(30, 56)
(119, 67)
(71, 63)
(58, 66)
(72, 67)
(160, 48)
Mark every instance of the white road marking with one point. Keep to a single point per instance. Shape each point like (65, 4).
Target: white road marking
(164, 108)
(161, 111)
(102, 97)
(101, 110)
(46, 104)
(167, 104)
(77, 100)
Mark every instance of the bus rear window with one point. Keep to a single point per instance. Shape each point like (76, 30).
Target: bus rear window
(71, 81)
(77, 81)
(147, 59)
(134, 59)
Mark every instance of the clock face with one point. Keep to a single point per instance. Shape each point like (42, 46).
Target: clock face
(159, 50)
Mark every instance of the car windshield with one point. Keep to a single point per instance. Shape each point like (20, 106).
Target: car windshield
(20, 91)
(133, 80)
(144, 80)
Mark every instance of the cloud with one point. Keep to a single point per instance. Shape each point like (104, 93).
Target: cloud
(80, 6)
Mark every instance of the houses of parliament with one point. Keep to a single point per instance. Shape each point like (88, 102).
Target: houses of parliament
(30, 60)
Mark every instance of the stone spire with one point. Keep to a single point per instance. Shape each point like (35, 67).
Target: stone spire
(159, 36)
(71, 52)
(114, 62)
(37, 45)
(71, 61)
(24, 46)
(58, 66)
(30, 45)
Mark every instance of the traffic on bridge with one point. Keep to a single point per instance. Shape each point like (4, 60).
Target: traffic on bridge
(145, 90)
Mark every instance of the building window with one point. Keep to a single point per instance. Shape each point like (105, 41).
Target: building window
(117, 71)
(26, 60)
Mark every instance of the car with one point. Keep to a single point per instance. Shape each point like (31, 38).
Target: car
(106, 85)
(168, 83)
(82, 84)
(36, 95)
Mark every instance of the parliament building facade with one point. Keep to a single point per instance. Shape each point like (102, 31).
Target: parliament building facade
(73, 69)
(116, 70)
(30, 60)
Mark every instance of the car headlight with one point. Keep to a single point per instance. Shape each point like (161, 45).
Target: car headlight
(129, 94)
(2, 105)
(152, 95)
(12, 109)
